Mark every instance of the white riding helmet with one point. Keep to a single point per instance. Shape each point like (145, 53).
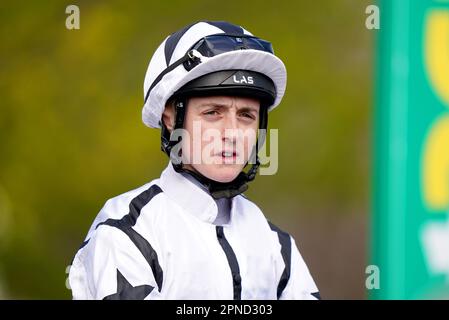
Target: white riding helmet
(204, 48)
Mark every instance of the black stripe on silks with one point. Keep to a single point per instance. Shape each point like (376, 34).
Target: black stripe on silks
(226, 27)
(286, 250)
(148, 252)
(81, 246)
(233, 263)
(316, 295)
(135, 206)
(126, 223)
(172, 42)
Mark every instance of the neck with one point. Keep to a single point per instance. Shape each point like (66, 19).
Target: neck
(217, 189)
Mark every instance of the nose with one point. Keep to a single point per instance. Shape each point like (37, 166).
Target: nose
(230, 120)
(230, 128)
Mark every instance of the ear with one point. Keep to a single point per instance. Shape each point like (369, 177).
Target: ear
(168, 116)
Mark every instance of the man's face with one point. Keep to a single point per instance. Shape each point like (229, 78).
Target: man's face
(228, 131)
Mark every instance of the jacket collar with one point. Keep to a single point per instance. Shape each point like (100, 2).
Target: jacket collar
(188, 195)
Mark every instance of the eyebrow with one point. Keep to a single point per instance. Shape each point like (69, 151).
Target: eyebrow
(213, 104)
(248, 108)
(222, 105)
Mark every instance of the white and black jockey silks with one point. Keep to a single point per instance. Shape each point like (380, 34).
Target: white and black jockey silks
(159, 241)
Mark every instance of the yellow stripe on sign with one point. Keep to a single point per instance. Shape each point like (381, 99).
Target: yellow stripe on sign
(437, 52)
(436, 166)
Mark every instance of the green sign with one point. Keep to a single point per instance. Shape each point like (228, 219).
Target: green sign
(410, 235)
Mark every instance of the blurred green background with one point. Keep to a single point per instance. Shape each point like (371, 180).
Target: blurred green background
(71, 134)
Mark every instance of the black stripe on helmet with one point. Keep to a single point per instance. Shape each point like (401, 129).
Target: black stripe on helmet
(226, 27)
(172, 42)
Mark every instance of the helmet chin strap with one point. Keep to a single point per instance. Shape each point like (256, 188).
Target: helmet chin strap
(216, 189)
(219, 189)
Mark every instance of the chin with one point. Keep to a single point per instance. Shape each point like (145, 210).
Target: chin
(222, 173)
(224, 178)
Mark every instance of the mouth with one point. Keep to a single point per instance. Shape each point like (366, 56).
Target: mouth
(228, 156)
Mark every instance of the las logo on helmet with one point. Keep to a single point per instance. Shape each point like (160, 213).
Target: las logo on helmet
(243, 79)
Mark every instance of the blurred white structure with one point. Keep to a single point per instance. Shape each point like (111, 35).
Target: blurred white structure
(435, 241)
